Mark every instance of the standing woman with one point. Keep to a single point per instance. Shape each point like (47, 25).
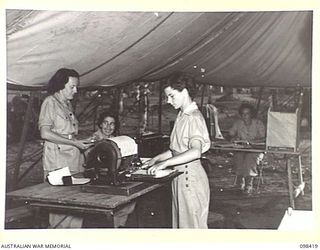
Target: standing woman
(58, 128)
(188, 140)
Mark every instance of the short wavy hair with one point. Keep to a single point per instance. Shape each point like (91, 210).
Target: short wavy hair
(60, 78)
(105, 114)
(180, 81)
(247, 106)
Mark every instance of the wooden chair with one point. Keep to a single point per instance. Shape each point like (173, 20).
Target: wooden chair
(259, 178)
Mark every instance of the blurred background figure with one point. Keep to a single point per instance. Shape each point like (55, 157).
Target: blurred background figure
(248, 129)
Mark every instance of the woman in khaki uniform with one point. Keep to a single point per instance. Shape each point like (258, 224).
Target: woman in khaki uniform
(108, 128)
(251, 130)
(188, 140)
(58, 127)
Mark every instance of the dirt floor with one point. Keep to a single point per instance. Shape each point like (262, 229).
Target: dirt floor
(264, 209)
(229, 208)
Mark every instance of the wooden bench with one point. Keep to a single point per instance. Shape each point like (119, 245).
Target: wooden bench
(18, 213)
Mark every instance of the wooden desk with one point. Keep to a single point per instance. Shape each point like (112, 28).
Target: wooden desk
(293, 193)
(70, 199)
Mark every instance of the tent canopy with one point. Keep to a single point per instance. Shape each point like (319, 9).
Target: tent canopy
(238, 49)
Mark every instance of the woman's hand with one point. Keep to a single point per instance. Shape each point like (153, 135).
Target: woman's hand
(49, 135)
(83, 144)
(150, 162)
(159, 166)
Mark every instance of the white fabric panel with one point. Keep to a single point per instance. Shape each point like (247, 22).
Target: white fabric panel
(282, 130)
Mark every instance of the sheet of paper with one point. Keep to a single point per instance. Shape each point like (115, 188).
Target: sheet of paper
(80, 181)
(158, 173)
(55, 177)
(126, 144)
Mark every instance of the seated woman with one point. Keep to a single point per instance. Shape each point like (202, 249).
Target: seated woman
(249, 129)
(109, 127)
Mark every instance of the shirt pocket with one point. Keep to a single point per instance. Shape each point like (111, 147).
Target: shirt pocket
(63, 115)
(65, 148)
(64, 123)
(67, 155)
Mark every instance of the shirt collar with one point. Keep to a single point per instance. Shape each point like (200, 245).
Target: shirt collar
(188, 110)
(59, 97)
(102, 135)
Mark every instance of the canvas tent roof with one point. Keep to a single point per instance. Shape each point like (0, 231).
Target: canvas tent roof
(111, 48)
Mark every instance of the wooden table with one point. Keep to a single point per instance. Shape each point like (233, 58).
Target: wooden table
(293, 193)
(70, 199)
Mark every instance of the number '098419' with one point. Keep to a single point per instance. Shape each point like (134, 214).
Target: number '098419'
(306, 246)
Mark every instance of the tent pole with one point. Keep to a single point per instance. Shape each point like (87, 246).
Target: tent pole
(160, 108)
(144, 113)
(259, 100)
(23, 140)
(96, 108)
(298, 98)
(116, 104)
(274, 99)
(87, 106)
(94, 117)
(202, 95)
(299, 107)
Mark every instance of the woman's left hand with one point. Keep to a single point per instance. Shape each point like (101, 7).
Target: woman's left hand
(159, 166)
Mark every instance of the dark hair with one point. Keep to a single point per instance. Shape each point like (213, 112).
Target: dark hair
(59, 79)
(180, 81)
(105, 114)
(247, 106)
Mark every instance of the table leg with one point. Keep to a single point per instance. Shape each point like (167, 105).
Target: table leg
(300, 175)
(111, 220)
(37, 218)
(290, 185)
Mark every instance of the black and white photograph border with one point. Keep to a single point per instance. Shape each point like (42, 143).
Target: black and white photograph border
(264, 57)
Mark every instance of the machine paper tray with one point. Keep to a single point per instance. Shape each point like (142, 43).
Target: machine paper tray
(153, 178)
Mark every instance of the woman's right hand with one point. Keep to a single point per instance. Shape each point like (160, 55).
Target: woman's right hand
(152, 161)
(83, 144)
(149, 163)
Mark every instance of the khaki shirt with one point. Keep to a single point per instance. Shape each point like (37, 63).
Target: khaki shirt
(100, 136)
(256, 130)
(60, 117)
(189, 125)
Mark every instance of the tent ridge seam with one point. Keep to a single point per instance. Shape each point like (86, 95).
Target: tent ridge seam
(126, 49)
